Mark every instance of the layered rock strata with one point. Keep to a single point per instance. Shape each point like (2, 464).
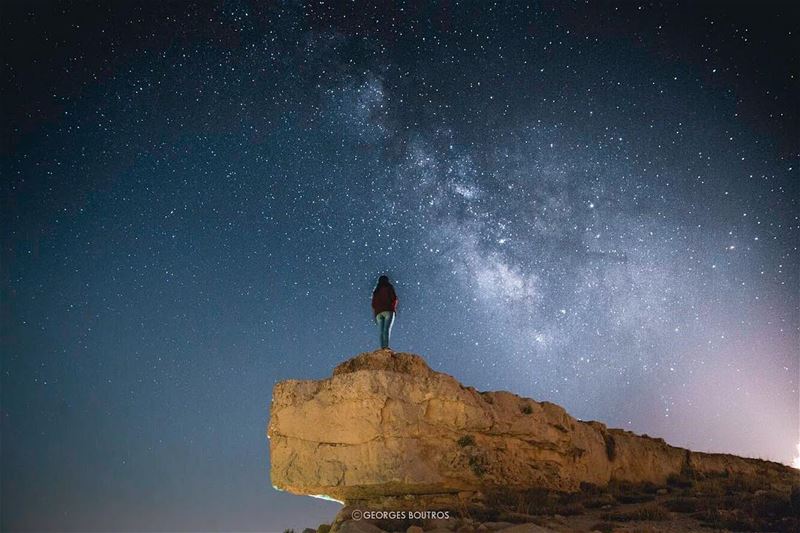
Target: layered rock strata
(385, 427)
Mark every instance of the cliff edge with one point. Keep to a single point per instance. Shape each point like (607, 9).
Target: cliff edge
(385, 431)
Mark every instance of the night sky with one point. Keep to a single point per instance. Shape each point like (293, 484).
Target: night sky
(594, 205)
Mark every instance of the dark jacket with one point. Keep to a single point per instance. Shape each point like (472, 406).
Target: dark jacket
(384, 299)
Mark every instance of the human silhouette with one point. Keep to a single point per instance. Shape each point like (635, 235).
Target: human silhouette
(384, 306)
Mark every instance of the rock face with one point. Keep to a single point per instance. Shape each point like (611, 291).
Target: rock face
(386, 425)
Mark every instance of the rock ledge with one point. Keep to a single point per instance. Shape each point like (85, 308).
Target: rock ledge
(388, 431)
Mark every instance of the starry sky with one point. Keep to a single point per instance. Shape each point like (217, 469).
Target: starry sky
(590, 204)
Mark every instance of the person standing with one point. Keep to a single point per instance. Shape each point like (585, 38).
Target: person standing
(384, 306)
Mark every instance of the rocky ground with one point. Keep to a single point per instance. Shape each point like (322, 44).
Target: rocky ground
(685, 504)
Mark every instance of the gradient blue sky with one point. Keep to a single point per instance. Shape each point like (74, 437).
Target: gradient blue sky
(591, 205)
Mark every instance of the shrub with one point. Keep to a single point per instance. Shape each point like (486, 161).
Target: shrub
(599, 501)
(590, 488)
(477, 466)
(466, 440)
(603, 527)
(682, 505)
(648, 512)
(570, 509)
(635, 497)
(679, 481)
(649, 488)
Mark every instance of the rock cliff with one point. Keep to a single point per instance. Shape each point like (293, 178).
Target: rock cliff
(386, 430)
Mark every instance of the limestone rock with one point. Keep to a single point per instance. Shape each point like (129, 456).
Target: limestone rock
(359, 526)
(386, 427)
(528, 528)
(497, 526)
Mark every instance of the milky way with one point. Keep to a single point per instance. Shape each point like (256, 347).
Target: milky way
(589, 205)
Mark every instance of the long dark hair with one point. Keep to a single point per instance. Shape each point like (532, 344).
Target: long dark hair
(382, 281)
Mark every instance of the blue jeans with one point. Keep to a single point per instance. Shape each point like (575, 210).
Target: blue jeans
(384, 319)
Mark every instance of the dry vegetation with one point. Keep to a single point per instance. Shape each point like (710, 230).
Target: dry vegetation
(734, 503)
